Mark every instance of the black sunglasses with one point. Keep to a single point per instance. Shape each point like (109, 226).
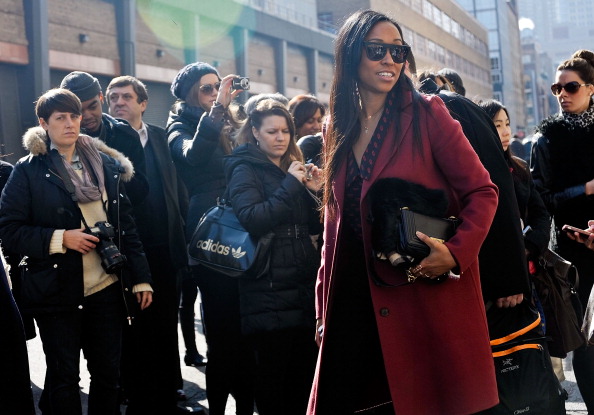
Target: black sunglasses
(570, 87)
(208, 88)
(377, 51)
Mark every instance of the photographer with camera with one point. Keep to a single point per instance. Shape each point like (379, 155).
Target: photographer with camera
(199, 131)
(65, 211)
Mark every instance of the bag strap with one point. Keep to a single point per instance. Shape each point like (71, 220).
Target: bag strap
(515, 334)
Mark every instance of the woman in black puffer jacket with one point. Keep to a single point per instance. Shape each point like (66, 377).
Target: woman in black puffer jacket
(199, 134)
(268, 187)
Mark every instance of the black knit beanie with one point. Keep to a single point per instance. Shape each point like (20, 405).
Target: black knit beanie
(188, 76)
(83, 85)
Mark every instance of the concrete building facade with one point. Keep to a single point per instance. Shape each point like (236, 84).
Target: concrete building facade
(500, 17)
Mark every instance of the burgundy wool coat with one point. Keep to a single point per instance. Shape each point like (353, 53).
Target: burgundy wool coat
(434, 338)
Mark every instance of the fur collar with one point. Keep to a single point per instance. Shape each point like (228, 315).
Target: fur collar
(35, 141)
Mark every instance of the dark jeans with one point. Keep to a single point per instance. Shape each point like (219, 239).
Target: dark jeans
(97, 330)
(189, 293)
(150, 360)
(285, 366)
(230, 359)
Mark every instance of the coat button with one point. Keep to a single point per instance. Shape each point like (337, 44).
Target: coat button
(80, 307)
(384, 312)
(115, 201)
(47, 175)
(115, 176)
(55, 265)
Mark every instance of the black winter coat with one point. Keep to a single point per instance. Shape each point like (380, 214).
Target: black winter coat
(503, 273)
(561, 164)
(120, 136)
(198, 157)
(35, 203)
(532, 211)
(265, 199)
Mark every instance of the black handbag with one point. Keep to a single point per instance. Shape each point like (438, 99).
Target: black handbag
(222, 244)
(555, 281)
(441, 229)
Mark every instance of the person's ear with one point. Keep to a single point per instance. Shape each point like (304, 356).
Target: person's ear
(255, 133)
(43, 124)
(101, 97)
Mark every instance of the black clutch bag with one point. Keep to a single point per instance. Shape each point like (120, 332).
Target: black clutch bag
(441, 229)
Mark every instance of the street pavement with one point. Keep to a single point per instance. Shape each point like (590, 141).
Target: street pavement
(195, 385)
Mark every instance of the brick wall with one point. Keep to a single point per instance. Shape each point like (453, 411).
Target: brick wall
(12, 22)
(68, 19)
(261, 56)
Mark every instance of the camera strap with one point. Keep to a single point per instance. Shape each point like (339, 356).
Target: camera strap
(58, 164)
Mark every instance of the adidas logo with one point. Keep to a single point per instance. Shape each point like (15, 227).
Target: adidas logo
(237, 253)
(218, 248)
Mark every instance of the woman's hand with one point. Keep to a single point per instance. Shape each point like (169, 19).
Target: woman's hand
(144, 298)
(511, 301)
(319, 331)
(78, 240)
(313, 177)
(438, 262)
(589, 188)
(226, 94)
(589, 241)
(298, 170)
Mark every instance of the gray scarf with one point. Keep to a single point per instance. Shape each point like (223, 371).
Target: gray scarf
(86, 190)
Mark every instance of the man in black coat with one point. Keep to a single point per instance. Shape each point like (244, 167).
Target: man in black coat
(116, 134)
(151, 372)
(502, 258)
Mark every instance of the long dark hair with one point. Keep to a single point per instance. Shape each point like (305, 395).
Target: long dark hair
(492, 107)
(344, 126)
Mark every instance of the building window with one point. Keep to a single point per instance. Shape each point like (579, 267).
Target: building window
(494, 63)
(325, 22)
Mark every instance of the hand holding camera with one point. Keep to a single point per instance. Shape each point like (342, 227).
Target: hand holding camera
(231, 86)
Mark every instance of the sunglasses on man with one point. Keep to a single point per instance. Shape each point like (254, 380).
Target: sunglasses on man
(570, 87)
(377, 51)
(208, 88)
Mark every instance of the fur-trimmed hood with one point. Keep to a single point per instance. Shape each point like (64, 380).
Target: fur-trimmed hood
(35, 141)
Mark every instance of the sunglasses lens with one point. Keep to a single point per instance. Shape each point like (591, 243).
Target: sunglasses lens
(399, 53)
(208, 88)
(375, 52)
(571, 87)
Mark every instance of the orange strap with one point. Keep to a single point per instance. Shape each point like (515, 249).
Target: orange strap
(515, 349)
(516, 334)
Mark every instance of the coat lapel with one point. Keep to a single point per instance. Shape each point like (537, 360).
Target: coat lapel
(389, 148)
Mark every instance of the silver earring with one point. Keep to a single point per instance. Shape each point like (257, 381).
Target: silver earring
(257, 143)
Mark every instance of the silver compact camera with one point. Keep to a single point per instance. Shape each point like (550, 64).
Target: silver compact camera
(242, 83)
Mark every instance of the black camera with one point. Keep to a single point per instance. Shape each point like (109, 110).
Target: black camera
(112, 260)
(241, 83)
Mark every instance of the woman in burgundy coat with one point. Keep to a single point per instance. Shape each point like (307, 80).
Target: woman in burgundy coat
(420, 348)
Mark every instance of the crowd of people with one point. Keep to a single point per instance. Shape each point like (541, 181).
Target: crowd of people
(95, 222)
